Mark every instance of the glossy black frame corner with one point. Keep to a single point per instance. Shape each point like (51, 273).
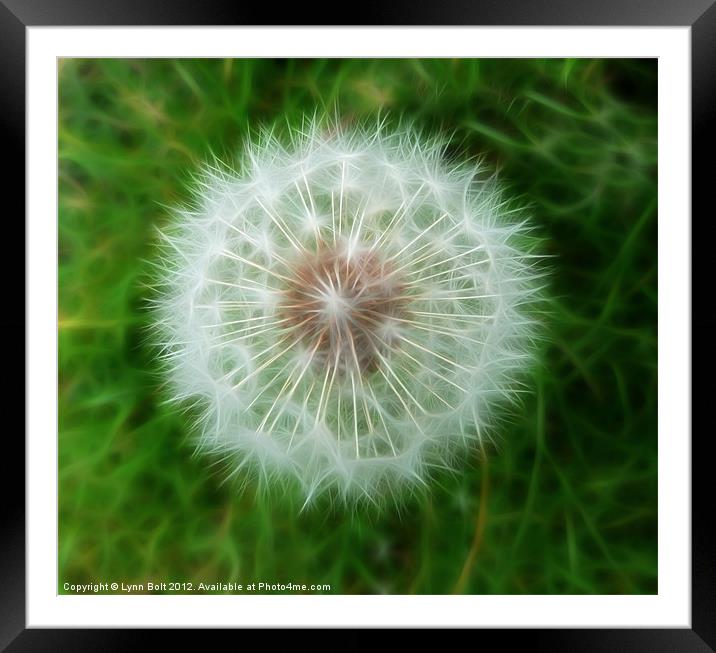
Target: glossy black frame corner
(700, 15)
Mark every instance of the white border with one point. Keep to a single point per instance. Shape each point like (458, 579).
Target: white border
(670, 608)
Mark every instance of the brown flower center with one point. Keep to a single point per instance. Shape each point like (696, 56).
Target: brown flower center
(345, 307)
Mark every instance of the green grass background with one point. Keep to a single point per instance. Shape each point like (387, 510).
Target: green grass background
(567, 501)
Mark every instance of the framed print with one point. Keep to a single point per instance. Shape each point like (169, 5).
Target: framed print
(377, 326)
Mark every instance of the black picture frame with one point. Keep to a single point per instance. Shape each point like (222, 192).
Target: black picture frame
(17, 15)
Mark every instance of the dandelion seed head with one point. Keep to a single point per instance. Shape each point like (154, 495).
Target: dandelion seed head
(345, 308)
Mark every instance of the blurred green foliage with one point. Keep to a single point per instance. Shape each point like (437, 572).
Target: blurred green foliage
(566, 502)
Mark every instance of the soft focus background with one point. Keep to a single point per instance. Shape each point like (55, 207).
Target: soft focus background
(565, 503)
